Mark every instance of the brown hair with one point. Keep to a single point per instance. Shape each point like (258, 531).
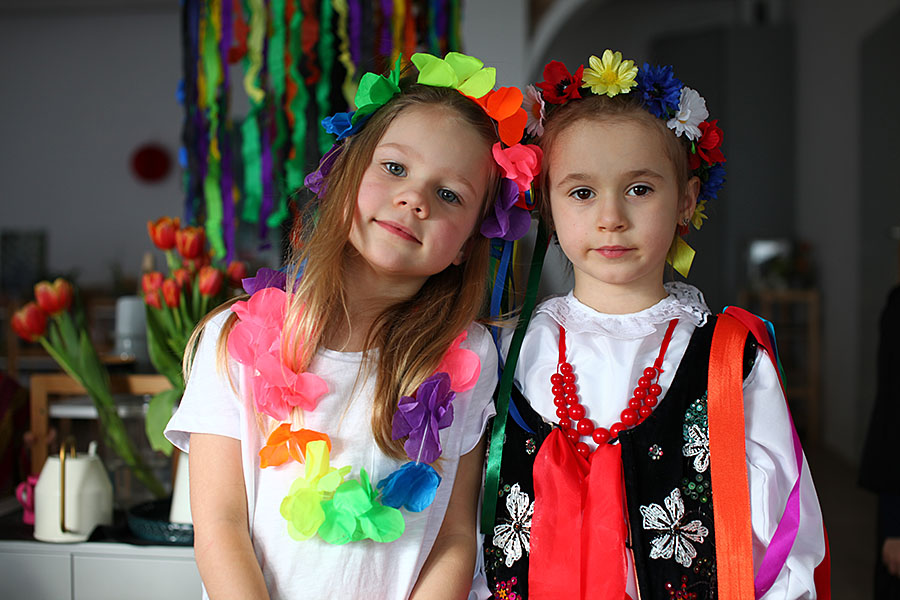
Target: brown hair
(623, 107)
(413, 335)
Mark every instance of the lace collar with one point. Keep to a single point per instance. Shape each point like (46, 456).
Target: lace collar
(684, 302)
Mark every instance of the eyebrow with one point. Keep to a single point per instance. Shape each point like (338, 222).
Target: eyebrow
(576, 177)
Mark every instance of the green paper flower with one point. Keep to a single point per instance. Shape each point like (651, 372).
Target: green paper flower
(458, 71)
(303, 507)
(375, 91)
(354, 514)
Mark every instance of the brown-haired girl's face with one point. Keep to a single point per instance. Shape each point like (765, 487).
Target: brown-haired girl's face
(615, 199)
(421, 196)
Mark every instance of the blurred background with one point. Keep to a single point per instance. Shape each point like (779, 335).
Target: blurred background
(806, 231)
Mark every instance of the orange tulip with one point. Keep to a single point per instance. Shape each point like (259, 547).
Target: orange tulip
(30, 322)
(171, 292)
(151, 282)
(162, 232)
(190, 241)
(54, 298)
(237, 270)
(152, 299)
(183, 278)
(210, 280)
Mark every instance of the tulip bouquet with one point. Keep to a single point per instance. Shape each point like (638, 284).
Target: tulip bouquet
(48, 320)
(175, 304)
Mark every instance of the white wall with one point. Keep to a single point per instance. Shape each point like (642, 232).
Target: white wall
(81, 90)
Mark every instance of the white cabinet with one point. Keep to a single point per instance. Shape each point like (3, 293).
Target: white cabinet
(96, 571)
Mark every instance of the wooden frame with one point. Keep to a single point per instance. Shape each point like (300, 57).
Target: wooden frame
(60, 384)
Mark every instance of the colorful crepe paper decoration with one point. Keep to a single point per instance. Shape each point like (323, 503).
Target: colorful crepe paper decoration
(296, 61)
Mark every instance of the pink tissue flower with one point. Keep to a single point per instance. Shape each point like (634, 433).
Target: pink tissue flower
(462, 365)
(520, 163)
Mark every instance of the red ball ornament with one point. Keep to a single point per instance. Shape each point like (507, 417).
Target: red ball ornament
(556, 379)
(565, 422)
(569, 388)
(151, 163)
(654, 390)
(629, 417)
(615, 430)
(561, 412)
(640, 393)
(600, 435)
(635, 403)
(651, 401)
(644, 382)
(583, 449)
(585, 427)
(565, 368)
(649, 372)
(569, 378)
(572, 435)
(645, 411)
(576, 412)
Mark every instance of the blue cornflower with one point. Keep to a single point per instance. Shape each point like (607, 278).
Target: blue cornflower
(715, 177)
(660, 89)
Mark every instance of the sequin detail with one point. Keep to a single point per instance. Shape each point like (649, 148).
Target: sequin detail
(504, 590)
(675, 538)
(655, 452)
(695, 432)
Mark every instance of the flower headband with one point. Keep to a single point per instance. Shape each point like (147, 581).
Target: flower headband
(510, 218)
(662, 95)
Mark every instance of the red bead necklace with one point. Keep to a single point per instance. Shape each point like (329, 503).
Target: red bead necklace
(572, 414)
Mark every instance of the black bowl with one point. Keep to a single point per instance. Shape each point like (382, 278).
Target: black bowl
(150, 521)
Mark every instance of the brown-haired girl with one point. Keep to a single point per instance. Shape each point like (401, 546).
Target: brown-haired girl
(645, 456)
(311, 452)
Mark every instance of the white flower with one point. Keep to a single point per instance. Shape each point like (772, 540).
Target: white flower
(691, 112)
(675, 536)
(534, 106)
(698, 447)
(514, 536)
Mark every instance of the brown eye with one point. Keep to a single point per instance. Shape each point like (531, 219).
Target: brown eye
(582, 194)
(639, 190)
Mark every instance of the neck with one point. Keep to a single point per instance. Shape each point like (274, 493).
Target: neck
(618, 300)
(367, 295)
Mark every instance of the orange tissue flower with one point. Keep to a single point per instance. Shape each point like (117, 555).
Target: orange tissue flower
(284, 445)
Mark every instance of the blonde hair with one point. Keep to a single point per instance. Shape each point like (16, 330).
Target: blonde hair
(411, 336)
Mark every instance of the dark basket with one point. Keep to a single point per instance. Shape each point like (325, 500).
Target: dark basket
(150, 521)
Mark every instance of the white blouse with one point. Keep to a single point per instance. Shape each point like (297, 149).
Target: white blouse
(610, 352)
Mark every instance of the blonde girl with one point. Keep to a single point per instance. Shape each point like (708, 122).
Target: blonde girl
(311, 451)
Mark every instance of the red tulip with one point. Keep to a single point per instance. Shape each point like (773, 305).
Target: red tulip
(54, 298)
(151, 282)
(183, 278)
(210, 280)
(171, 292)
(30, 322)
(162, 232)
(237, 270)
(152, 299)
(190, 241)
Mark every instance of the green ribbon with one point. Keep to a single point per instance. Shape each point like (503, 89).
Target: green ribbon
(295, 166)
(504, 390)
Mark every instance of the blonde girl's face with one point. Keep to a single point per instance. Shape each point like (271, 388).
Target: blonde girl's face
(615, 201)
(420, 197)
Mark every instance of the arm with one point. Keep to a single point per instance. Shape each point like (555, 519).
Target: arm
(772, 471)
(222, 546)
(447, 572)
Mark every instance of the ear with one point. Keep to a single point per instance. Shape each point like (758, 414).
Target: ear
(689, 200)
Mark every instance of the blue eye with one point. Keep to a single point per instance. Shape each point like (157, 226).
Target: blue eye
(582, 194)
(448, 196)
(395, 169)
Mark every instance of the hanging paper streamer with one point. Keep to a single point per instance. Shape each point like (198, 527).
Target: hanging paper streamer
(296, 62)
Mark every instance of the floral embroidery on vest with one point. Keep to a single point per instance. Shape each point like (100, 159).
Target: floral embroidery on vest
(513, 536)
(675, 539)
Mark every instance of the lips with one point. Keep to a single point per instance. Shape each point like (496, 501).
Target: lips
(398, 230)
(613, 251)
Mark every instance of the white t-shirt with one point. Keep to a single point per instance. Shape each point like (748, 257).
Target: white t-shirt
(313, 568)
(609, 354)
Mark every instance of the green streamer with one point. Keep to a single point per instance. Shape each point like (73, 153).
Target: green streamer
(504, 390)
(326, 58)
(295, 166)
(251, 148)
(212, 69)
(277, 76)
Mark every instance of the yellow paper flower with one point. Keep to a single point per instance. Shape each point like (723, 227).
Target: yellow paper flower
(302, 508)
(699, 214)
(610, 75)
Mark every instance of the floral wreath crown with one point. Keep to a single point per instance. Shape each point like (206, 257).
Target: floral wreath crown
(510, 218)
(665, 97)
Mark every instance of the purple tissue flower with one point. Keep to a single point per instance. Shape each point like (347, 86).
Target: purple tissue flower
(423, 416)
(508, 221)
(264, 278)
(315, 181)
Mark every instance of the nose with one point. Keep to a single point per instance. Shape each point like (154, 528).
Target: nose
(611, 215)
(414, 199)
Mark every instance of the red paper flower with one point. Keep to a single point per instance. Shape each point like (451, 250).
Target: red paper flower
(54, 298)
(559, 85)
(190, 242)
(709, 146)
(504, 105)
(210, 280)
(162, 232)
(30, 322)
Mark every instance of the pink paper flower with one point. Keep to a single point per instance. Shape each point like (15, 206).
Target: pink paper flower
(520, 163)
(462, 365)
(534, 107)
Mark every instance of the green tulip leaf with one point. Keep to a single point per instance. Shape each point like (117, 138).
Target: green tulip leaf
(159, 411)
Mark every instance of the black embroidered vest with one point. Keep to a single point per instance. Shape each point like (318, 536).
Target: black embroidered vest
(667, 487)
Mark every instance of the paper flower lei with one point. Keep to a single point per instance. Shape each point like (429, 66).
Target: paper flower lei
(323, 501)
(665, 97)
(510, 218)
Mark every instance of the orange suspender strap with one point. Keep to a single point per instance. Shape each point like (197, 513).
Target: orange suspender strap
(727, 457)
